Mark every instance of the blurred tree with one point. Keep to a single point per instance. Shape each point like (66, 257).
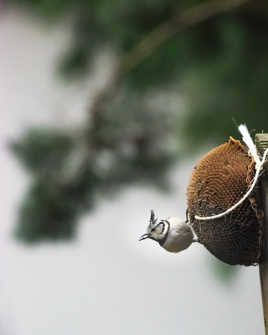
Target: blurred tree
(218, 64)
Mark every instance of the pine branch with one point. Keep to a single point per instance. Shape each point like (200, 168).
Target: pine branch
(153, 41)
(179, 22)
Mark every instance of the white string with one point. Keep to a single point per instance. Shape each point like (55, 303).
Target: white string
(259, 164)
(250, 144)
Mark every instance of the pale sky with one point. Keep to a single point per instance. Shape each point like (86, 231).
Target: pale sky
(105, 281)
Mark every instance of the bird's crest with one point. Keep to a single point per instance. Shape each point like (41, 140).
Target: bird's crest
(153, 220)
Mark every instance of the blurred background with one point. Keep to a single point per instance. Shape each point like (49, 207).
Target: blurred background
(105, 108)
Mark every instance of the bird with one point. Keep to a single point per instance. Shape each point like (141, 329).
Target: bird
(218, 181)
(172, 234)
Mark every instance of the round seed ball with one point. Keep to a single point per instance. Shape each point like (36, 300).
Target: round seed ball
(218, 181)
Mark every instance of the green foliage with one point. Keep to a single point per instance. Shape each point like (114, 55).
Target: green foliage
(127, 145)
(43, 150)
(220, 67)
(47, 213)
(232, 87)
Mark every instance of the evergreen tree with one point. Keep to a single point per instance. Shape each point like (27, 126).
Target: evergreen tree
(213, 53)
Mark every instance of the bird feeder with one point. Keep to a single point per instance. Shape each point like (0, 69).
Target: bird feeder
(227, 208)
(218, 181)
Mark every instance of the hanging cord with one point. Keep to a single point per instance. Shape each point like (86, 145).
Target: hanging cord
(258, 167)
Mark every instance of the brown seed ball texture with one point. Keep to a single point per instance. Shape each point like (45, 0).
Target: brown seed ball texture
(218, 181)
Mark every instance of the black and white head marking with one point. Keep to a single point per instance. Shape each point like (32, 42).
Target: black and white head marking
(156, 230)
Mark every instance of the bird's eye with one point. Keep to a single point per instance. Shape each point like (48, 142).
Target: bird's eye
(162, 226)
(159, 229)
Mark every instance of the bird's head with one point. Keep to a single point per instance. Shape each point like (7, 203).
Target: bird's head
(156, 230)
(172, 233)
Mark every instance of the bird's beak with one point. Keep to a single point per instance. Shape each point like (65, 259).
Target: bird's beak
(144, 236)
